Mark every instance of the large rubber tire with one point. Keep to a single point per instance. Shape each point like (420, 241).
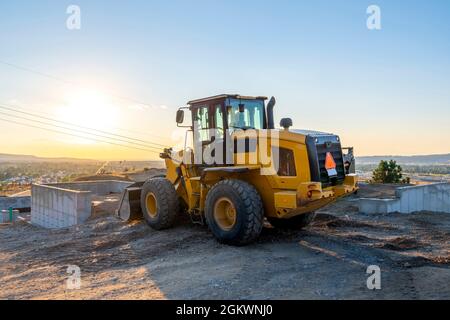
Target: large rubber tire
(159, 202)
(248, 208)
(295, 223)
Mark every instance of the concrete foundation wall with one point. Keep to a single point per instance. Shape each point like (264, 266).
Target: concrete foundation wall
(5, 216)
(100, 188)
(53, 207)
(15, 203)
(432, 197)
(62, 205)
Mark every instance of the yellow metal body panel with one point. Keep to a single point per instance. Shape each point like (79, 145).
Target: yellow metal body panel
(286, 199)
(283, 197)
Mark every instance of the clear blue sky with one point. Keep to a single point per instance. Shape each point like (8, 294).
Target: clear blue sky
(385, 92)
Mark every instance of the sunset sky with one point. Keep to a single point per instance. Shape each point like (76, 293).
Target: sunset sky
(133, 63)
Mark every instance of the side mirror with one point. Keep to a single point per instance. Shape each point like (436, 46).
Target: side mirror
(286, 123)
(180, 116)
(241, 107)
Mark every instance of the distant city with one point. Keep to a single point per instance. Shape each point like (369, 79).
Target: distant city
(18, 172)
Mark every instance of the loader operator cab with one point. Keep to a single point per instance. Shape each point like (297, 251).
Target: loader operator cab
(217, 116)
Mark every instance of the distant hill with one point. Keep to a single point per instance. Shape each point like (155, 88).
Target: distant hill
(432, 159)
(29, 158)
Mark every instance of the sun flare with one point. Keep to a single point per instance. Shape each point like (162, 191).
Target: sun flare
(90, 109)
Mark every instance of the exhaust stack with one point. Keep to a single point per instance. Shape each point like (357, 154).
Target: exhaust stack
(270, 119)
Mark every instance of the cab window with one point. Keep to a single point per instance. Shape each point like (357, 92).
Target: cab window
(201, 119)
(219, 122)
(245, 114)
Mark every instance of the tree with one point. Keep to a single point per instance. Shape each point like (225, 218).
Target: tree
(387, 172)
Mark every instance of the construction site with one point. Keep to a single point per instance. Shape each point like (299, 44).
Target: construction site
(224, 150)
(327, 260)
(195, 231)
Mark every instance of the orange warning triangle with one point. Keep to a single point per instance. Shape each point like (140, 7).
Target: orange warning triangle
(329, 162)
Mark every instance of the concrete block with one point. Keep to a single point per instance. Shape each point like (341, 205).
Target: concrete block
(419, 199)
(433, 197)
(432, 205)
(442, 197)
(66, 204)
(16, 203)
(393, 206)
(446, 200)
(8, 217)
(404, 202)
(372, 206)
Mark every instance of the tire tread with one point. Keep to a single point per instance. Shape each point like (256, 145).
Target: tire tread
(167, 200)
(252, 205)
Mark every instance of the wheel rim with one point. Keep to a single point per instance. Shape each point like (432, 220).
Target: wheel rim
(225, 214)
(152, 206)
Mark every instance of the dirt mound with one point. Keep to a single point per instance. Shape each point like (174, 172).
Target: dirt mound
(401, 243)
(441, 259)
(103, 177)
(146, 174)
(273, 235)
(376, 190)
(324, 220)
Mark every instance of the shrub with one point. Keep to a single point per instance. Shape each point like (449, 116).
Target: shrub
(388, 172)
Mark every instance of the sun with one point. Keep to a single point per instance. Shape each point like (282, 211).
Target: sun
(90, 109)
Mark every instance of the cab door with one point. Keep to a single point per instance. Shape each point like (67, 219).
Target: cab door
(209, 133)
(220, 136)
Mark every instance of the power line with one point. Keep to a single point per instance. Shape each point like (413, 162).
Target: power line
(75, 130)
(56, 78)
(69, 82)
(147, 144)
(44, 115)
(141, 133)
(74, 135)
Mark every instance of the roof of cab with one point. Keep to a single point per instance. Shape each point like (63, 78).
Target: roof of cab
(224, 96)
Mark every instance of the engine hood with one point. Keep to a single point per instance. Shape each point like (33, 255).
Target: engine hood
(312, 133)
(300, 135)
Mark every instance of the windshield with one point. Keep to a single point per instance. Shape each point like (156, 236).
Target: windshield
(251, 118)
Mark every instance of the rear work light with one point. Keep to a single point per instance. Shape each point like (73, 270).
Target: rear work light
(330, 165)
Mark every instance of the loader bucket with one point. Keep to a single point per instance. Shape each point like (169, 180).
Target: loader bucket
(130, 203)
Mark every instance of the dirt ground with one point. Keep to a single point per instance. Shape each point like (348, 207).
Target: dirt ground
(145, 175)
(328, 260)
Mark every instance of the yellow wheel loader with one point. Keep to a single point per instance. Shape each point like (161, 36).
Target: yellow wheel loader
(238, 170)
